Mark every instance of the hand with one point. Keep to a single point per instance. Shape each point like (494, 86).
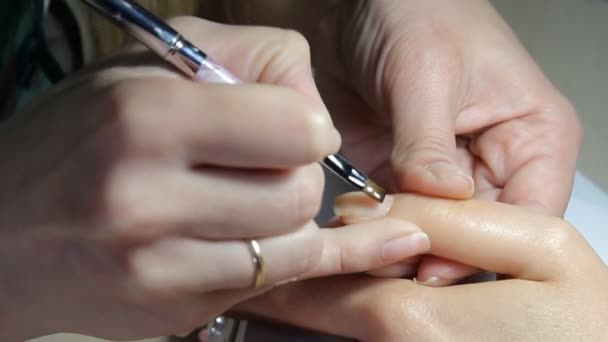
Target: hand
(437, 97)
(427, 72)
(553, 286)
(127, 190)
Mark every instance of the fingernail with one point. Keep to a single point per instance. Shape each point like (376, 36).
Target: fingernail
(359, 206)
(445, 171)
(398, 270)
(405, 246)
(434, 281)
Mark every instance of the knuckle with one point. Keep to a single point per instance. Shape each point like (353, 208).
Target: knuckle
(572, 123)
(559, 238)
(130, 204)
(561, 113)
(126, 96)
(283, 50)
(294, 40)
(431, 143)
(437, 59)
(306, 255)
(140, 106)
(120, 96)
(186, 23)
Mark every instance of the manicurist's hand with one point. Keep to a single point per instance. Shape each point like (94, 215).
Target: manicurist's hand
(130, 194)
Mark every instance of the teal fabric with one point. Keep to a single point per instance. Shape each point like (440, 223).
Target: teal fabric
(18, 20)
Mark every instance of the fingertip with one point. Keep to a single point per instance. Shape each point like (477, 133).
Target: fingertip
(436, 272)
(325, 138)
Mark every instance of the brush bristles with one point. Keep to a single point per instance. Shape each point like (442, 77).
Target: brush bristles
(374, 191)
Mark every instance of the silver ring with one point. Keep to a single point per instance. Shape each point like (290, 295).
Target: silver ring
(258, 263)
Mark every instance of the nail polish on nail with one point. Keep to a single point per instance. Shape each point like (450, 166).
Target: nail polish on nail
(405, 246)
(359, 206)
(434, 281)
(443, 171)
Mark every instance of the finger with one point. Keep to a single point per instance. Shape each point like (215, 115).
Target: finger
(424, 106)
(175, 263)
(432, 271)
(402, 269)
(349, 209)
(491, 236)
(205, 124)
(353, 249)
(354, 209)
(214, 203)
(436, 271)
(255, 55)
(524, 167)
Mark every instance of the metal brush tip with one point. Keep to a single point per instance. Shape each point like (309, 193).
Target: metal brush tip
(374, 191)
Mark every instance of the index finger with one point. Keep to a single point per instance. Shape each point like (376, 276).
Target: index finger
(492, 236)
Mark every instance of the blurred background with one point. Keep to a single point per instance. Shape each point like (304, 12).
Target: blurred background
(568, 38)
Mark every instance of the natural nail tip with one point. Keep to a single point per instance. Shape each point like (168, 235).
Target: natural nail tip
(431, 281)
(359, 206)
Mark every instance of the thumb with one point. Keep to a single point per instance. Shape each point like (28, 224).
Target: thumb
(424, 153)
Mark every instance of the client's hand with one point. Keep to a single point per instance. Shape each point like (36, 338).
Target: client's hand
(127, 192)
(553, 285)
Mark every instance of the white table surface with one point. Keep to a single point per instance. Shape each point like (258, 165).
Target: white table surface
(588, 211)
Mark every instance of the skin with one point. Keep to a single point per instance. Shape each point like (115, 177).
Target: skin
(127, 192)
(436, 97)
(552, 284)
